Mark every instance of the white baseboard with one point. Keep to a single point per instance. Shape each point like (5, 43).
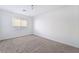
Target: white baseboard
(42, 35)
(57, 40)
(4, 37)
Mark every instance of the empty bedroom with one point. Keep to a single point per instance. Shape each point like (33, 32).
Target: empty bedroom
(39, 29)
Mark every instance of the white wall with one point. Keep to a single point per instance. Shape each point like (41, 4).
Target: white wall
(8, 31)
(61, 25)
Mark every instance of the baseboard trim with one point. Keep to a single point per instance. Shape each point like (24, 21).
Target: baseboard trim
(15, 37)
(52, 38)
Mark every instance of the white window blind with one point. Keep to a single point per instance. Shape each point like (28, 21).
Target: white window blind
(17, 22)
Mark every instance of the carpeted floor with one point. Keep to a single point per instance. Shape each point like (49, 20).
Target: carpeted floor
(34, 44)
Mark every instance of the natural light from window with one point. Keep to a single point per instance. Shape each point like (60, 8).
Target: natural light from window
(17, 22)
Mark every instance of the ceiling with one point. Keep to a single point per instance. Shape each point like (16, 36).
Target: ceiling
(30, 10)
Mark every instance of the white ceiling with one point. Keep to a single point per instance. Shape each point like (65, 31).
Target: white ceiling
(30, 10)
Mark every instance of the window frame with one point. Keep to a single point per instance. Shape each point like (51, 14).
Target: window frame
(20, 22)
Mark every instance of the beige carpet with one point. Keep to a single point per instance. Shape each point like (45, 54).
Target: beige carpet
(34, 44)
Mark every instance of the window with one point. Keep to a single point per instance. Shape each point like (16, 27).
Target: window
(17, 22)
